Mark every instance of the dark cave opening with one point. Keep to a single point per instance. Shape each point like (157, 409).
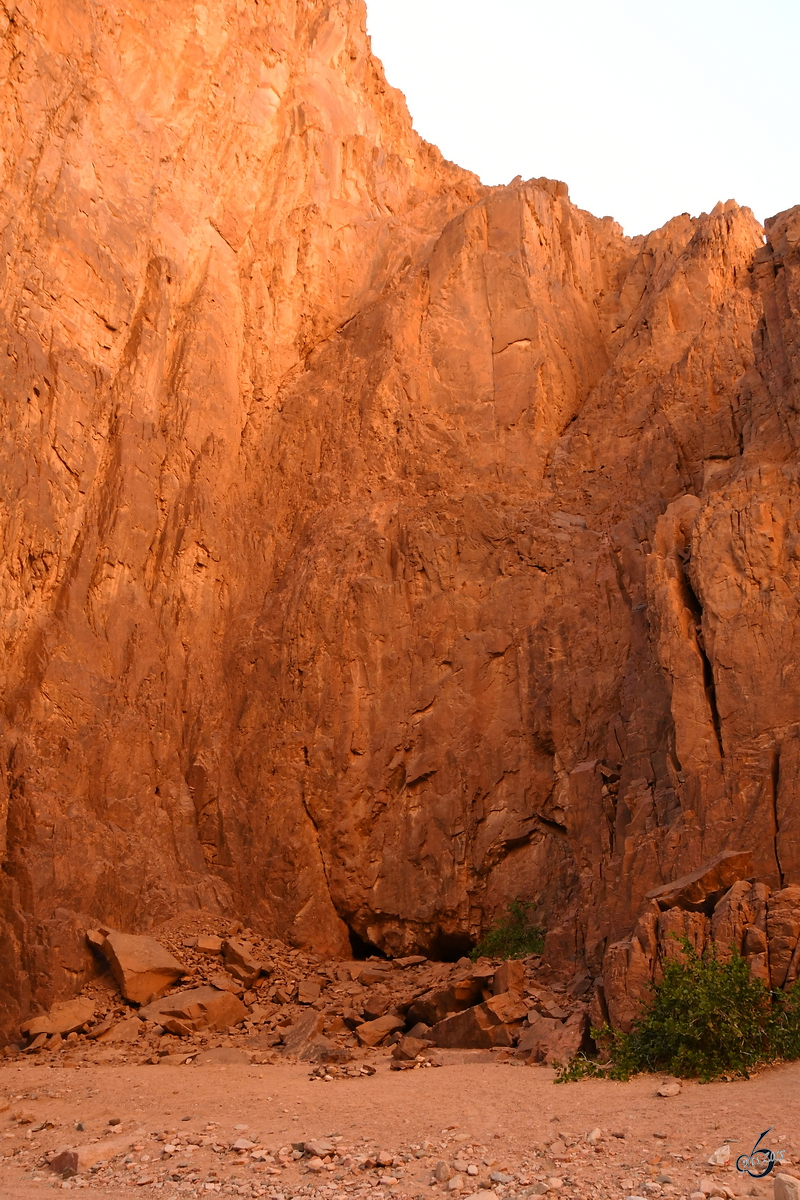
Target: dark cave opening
(361, 949)
(449, 947)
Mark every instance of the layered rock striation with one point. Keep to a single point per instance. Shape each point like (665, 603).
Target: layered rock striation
(376, 546)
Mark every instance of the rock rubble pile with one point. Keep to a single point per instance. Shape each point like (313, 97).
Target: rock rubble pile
(199, 993)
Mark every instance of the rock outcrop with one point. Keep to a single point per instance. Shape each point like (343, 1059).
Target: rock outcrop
(376, 546)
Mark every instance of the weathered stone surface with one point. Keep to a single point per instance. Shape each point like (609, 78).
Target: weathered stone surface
(556, 1041)
(194, 1009)
(297, 1037)
(66, 1017)
(372, 1033)
(509, 977)
(209, 945)
(409, 1047)
(706, 885)
(628, 971)
(354, 505)
(435, 1005)
(240, 961)
(74, 1161)
(141, 966)
(786, 1187)
(127, 1030)
(476, 1028)
(783, 936)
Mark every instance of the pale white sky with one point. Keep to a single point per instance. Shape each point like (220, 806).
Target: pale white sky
(645, 108)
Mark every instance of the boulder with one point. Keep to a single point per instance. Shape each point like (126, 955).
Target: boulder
(477, 1028)
(240, 961)
(628, 969)
(127, 1030)
(372, 1033)
(507, 1007)
(70, 1161)
(209, 945)
(304, 1031)
(509, 977)
(701, 889)
(308, 991)
(439, 1003)
(556, 1042)
(195, 1009)
(66, 1017)
(786, 1187)
(142, 967)
(409, 1047)
(222, 1056)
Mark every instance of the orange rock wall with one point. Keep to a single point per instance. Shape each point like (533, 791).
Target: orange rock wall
(376, 546)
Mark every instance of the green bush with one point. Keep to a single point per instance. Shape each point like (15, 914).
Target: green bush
(707, 1019)
(514, 936)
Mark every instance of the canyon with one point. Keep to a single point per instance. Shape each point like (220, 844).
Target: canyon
(376, 546)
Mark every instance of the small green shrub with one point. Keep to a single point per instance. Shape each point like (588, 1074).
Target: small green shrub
(707, 1019)
(514, 936)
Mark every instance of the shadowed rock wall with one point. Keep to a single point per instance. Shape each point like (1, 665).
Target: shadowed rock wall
(375, 546)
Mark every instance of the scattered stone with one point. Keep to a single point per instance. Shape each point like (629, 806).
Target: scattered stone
(720, 1156)
(669, 1088)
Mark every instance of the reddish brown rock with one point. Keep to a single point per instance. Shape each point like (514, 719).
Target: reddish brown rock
(372, 1033)
(195, 1009)
(353, 505)
(555, 1041)
(66, 1017)
(783, 936)
(707, 884)
(476, 1028)
(509, 977)
(141, 966)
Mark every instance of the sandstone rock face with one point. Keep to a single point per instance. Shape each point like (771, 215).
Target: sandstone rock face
(376, 547)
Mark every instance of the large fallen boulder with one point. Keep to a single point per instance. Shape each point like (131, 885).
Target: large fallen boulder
(700, 890)
(195, 1009)
(142, 967)
(67, 1017)
(439, 1003)
(477, 1028)
(372, 1033)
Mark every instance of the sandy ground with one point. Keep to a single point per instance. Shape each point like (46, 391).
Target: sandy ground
(491, 1116)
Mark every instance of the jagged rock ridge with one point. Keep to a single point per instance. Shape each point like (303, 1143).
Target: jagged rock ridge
(376, 546)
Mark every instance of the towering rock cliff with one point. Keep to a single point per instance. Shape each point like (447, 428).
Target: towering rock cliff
(376, 546)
